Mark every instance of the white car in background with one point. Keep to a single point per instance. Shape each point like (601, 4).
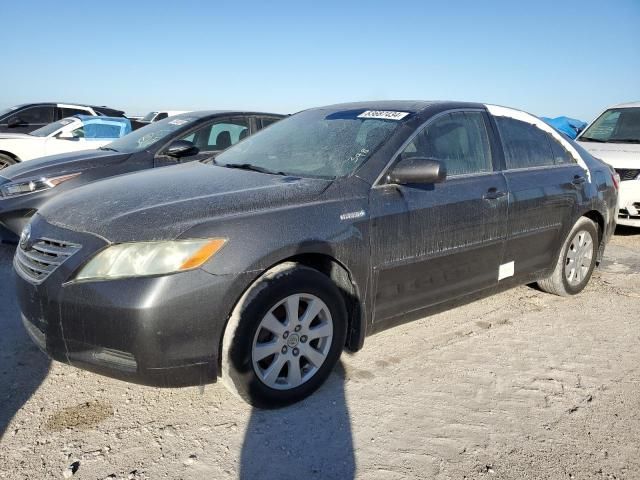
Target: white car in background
(155, 116)
(80, 132)
(614, 136)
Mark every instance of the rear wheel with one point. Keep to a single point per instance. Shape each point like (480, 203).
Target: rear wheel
(576, 262)
(284, 337)
(6, 161)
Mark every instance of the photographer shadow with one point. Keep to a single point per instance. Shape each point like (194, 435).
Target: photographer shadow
(311, 439)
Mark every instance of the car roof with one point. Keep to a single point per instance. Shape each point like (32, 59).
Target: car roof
(71, 104)
(411, 106)
(99, 109)
(215, 113)
(626, 105)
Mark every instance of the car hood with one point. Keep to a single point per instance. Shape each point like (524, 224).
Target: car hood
(162, 204)
(62, 164)
(618, 155)
(14, 136)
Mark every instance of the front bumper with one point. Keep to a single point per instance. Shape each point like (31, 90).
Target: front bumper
(629, 203)
(161, 331)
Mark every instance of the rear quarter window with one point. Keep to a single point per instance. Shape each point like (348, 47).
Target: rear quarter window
(560, 155)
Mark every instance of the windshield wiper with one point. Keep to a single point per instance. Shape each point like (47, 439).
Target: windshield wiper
(248, 166)
(589, 139)
(109, 149)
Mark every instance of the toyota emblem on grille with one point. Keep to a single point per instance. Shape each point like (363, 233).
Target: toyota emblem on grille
(25, 237)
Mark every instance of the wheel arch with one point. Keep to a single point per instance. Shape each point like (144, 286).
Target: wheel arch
(344, 281)
(9, 154)
(597, 217)
(341, 277)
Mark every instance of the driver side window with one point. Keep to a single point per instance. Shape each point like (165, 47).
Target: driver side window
(219, 135)
(457, 139)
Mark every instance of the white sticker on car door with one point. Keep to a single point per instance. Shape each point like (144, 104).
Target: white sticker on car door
(506, 270)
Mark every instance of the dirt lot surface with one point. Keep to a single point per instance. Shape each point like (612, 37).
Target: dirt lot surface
(520, 385)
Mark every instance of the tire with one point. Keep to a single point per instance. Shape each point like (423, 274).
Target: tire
(581, 245)
(269, 364)
(6, 161)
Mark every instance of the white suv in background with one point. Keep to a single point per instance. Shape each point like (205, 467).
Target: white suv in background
(614, 136)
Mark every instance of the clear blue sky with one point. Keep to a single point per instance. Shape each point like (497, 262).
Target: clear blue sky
(546, 57)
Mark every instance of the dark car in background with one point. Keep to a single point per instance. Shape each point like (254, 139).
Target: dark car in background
(25, 187)
(28, 117)
(331, 225)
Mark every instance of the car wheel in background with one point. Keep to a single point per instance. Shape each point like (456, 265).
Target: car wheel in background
(576, 262)
(284, 337)
(6, 161)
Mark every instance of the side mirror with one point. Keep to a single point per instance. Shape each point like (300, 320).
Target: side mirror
(417, 170)
(181, 148)
(16, 122)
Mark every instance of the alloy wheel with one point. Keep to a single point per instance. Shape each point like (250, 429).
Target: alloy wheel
(579, 257)
(292, 341)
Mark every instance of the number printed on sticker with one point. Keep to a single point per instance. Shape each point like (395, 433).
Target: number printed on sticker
(383, 114)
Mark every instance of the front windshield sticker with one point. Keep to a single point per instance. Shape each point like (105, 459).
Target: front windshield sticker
(383, 114)
(178, 122)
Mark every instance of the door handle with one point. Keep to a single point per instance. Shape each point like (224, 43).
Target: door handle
(493, 194)
(578, 180)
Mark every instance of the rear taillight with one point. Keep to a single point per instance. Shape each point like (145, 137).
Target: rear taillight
(616, 180)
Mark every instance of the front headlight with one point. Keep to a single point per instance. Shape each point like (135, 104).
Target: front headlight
(23, 187)
(149, 258)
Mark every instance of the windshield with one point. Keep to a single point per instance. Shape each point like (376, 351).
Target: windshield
(149, 116)
(52, 127)
(314, 143)
(146, 136)
(616, 125)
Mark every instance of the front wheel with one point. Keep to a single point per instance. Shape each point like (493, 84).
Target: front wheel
(576, 262)
(284, 337)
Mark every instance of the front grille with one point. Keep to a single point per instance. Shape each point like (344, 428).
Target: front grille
(628, 174)
(41, 259)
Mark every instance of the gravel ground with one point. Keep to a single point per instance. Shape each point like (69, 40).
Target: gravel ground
(520, 385)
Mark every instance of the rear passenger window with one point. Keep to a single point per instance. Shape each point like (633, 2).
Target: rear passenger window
(458, 139)
(525, 145)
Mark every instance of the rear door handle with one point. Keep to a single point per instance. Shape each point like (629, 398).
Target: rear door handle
(493, 194)
(578, 180)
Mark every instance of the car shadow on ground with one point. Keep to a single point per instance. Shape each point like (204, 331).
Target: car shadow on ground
(23, 366)
(311, 439)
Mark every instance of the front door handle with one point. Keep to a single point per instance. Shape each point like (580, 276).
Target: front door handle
(578, 180)
(493, 194)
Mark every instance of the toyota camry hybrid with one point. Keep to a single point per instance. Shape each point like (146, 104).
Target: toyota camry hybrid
(333, 224)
